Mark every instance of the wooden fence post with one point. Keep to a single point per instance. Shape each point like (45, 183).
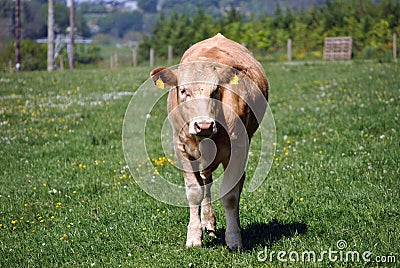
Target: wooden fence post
(289, 49)
(151, 57)
(61, 63)
(395, 47)
(170, 55)
(134, 58)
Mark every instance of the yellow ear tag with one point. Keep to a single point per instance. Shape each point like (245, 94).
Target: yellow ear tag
(234, 80)
(160, 83)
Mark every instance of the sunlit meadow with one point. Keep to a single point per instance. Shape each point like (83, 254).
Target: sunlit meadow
(67, 197)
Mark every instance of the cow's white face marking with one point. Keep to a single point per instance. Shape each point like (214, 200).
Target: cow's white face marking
(198, 97)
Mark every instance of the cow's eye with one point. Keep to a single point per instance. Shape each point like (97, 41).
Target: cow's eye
(183, 93)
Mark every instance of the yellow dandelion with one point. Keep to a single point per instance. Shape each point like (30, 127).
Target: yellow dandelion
(301, 199)
(65, 236)
(144, 229)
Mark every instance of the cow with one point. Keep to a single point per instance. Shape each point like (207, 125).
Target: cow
(218, 96)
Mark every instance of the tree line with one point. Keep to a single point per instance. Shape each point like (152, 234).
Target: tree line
(370, 25)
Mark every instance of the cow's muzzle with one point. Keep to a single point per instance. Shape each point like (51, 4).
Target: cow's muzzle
(202, 127)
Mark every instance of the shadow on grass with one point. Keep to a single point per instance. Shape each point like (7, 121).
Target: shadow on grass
(261, 234)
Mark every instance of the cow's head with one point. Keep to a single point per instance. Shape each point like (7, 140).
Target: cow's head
(198, 88)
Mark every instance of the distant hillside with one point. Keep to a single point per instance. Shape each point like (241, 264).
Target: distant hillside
(254, 7)
(248, 7)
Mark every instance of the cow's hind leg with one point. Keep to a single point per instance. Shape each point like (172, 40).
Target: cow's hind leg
(194, 194)
(207, 212)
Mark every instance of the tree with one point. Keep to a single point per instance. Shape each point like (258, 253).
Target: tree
(50, 37)
(119, 23)
(149, 6)
(33, 19)
(71, 34)
(17, 35)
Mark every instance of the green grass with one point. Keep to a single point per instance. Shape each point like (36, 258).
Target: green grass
(67, 198)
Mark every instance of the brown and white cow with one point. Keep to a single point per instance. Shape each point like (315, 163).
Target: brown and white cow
(217, 99)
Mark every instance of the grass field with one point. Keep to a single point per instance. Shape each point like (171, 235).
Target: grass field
(67, 198)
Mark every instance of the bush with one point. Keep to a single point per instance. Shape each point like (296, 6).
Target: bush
(33, 56)
(376, 53)
(89, 55)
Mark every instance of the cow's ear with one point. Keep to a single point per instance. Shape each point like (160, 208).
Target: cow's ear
(163, 77)
(232, 75)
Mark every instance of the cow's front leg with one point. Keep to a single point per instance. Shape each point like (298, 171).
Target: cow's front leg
(207, 212)
(194, 194)
(230, 201)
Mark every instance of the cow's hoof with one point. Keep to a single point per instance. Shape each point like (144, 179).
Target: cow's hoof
(233, 241)
(193, 238)
(209, 228)
(190, 243)
(211, 233)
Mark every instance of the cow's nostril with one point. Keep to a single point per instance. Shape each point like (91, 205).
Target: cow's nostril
(203, 127)
(200, 126)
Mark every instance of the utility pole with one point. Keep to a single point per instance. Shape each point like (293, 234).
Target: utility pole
(17, 35)
(71, 34)
(50, 37)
